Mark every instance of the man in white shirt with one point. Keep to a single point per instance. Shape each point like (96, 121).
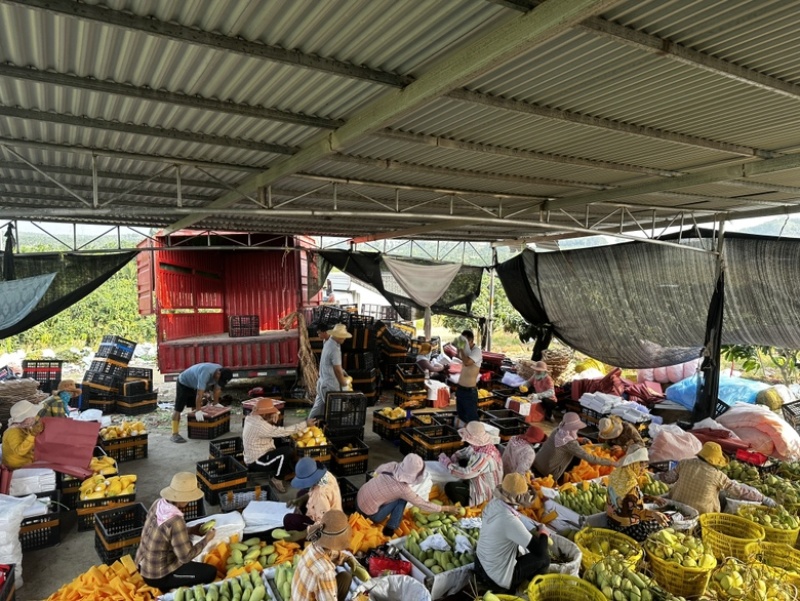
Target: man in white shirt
(332, 378)
(467, 392)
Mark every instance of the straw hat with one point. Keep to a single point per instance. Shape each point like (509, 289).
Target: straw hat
(610, 427)
(636, 454)
(712, 454)
(534, 435)
(182, 489)
(22, 410)
(68, 386)
(339, 331)
(475, 434)
(514, 484)
(264, 406)
(571, 421)
(335, 533)
(540, 366)
(307, 473)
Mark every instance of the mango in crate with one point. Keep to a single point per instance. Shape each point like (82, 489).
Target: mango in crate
(123, 430)
(393, 412)
(483, 393)
(310, 436)
(105, 466)
(98, 487)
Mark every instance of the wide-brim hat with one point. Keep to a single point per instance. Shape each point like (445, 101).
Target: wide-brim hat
(475, 434)
(635, 455)
(335, 533)
(514, 484)
(610, 427)
(307, 473)
(182, 489)
(571, 421)
(540, 366)
(339, 331)
(22, 410)
(265, 406)
(68, 386)
(712, 454)
(534, 435)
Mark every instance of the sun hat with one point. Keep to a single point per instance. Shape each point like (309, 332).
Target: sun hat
(410, 470)
(610, 427)
(475, 434)
(514, 484)
(68, 386)
(540, 366)
(571, 421)
(335, 532)
(635, 454)
(534, 434)
(339, 331)
(307, 473)
(22, 410)
(712, 454)
(264, 406)
(182, 489)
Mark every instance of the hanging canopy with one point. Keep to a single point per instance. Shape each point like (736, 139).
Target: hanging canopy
(641, 305)
(20, 297)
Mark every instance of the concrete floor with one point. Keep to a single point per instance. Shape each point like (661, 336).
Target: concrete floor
(46, 570)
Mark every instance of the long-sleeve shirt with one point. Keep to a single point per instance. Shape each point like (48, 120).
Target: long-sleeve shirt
(384, 489)
(259, 436)
(325, 495)
(518, 456)
(165, 548)
(484, 471)
(315, 576)
(630, 435)
(554, 460)
(544, 388)
(698, 485)
(18, 446)
(52, 406)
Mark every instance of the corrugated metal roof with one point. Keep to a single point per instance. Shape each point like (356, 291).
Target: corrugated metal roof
(602, 112)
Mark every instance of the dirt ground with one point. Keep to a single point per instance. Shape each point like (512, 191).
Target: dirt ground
(48, 569)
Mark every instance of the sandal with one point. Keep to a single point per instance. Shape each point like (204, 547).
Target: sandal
(278, 484)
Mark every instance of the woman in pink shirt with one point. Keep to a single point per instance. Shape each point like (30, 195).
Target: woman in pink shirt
(544, 389)
(389, 491)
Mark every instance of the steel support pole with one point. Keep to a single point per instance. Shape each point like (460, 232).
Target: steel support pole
(490, 317)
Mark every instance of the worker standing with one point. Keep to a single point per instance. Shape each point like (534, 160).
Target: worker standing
(467, 392)
(190, 388)
(332, 378)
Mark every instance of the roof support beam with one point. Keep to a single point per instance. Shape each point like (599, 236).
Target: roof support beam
(537, 110)
(151, 26)
(477, 57)
(143, 130)
(709, 176)
(176, 98)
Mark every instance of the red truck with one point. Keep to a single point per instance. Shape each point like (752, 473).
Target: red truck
(200, 283)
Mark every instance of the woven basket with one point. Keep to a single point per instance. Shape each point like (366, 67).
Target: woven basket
(727, 535)
(562, 587)
(678, 580)
(771, 535)
(558, 360)
(776, 555)
(587, 536)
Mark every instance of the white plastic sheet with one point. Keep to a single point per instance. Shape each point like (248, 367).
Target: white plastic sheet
(392, 588)
(11, 511)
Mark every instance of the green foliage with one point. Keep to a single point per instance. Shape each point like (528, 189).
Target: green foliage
(751, 360)
(506, 317)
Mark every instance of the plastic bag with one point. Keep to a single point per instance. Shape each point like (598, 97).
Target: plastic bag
(463, 544)
(669, 445)
(391, 588)
(436, 542)
(564, 546)
(12, 510)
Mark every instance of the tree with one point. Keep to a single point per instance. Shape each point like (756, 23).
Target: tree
(751, 360)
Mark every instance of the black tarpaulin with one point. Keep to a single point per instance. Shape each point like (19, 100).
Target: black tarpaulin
(708, 390)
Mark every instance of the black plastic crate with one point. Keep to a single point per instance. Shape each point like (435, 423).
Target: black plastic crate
(345, 409)
(410, 400)
(194, 509)
(424, 419)
(101, 383)
(509, 426)
(42, 531)
(446, 418)
(791, 413)
(136, 386)
(409, 373)
(117, 532)
(435, 435)
(140, 372)
(721, 407)
(388, 428)
(110, 367)
(210, 427)
(236, 500)
(8, 589)
(86, 510)
(361, 363)
(349, 491)
(406, 441)
(46, 372)
(491, 414)
(137, 404)
(233, 447)
(220, 475)
(125, 449)
(105, 405)
(321, 453)
(349, 463)
(244, 321)
(118, 351)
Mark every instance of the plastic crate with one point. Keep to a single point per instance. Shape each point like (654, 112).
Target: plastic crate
(349, 463)
(433, 435)
(409, 373)
(791, 413)
(236, 500)
(102, 383)
(137, 404)
(46, 372)
(193, 510)
(125, 449)
(341, 436)
(406, 441)
(87, 509)
(720, 408)
(220, 475)
(446, 418)
(116, 347)
(387, 428)
(410, 400)
(345, 409)
(105, 405)
(243, 325)
(113, 368)
(210, 427)
(233, 447)
(509, 427)
(140, 372)
(349, 491)
(488, 415)
(424, 419)
(8, 589)
(69, 487)
(42, 531)
(321, 453)
(136, 386)
(117, 532)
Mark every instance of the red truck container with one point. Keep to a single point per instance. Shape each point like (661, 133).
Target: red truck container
(194, 282)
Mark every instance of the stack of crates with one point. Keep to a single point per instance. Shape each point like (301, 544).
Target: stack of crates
(410, 391)
(45, 371)
(345, 416)
(103, 383)
(137, 395)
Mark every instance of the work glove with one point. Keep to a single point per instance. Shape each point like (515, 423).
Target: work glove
(199, 416)
(444, 460)
(769, 502)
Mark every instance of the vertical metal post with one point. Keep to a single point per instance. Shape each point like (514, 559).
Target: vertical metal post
(16, 230)
(335, 199)
(95, 190)
(178, 184)
(74, 236)
(397, 200)
(269, 196)
(490, 317)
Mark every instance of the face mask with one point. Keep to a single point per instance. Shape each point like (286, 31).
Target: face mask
(65, 396)
(541, 375)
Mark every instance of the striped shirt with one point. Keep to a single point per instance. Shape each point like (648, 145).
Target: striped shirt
(383, 489)
(698, 484)
(52, 406)
(258, 436)
(314, 577)
(165, 548)
(484, 471)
